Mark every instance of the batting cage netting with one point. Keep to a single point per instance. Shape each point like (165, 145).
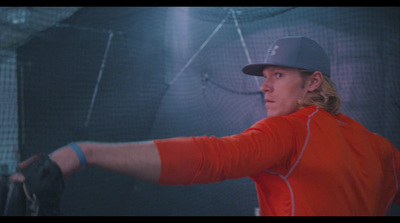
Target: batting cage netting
(121, 74)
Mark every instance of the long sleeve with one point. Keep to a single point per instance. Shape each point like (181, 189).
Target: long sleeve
(200, 160)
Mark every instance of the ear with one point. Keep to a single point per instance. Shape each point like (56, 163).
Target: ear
(315, 80)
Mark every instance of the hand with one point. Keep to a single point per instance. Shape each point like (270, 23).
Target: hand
(64, 157)
(18, 177)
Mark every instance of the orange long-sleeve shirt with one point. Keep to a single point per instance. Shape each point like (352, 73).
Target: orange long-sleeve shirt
(308, 163)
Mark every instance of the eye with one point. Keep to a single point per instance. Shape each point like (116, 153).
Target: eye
(278, 75)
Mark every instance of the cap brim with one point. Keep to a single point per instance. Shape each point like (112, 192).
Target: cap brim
(254, 69)
(257, 69)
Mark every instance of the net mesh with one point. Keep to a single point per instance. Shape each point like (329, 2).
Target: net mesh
(129, 74)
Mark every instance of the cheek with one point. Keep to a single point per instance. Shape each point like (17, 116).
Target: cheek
(288, 99)
(294, 91)
(288, 95)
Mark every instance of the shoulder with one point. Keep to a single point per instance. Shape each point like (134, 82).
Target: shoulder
(276, 122)
(285, 123)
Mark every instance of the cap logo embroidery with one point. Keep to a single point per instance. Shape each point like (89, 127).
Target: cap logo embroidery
(273, 52)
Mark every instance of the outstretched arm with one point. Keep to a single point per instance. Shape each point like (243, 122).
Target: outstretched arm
(188, 160)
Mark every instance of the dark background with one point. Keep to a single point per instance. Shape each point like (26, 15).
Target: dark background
(164, 73)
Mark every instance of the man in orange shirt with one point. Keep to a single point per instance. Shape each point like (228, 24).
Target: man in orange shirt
(305, 158)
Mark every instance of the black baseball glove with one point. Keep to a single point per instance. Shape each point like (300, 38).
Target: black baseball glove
(43, 185)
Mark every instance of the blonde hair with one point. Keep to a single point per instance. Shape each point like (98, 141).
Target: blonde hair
(325, 96)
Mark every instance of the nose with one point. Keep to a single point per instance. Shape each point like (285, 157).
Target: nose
(266, 86)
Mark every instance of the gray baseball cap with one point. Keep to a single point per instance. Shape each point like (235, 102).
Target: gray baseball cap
(294, 52)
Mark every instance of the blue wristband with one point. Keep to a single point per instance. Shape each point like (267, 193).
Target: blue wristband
(78, 152)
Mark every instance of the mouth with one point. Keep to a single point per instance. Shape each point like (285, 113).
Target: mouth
(269, 101)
